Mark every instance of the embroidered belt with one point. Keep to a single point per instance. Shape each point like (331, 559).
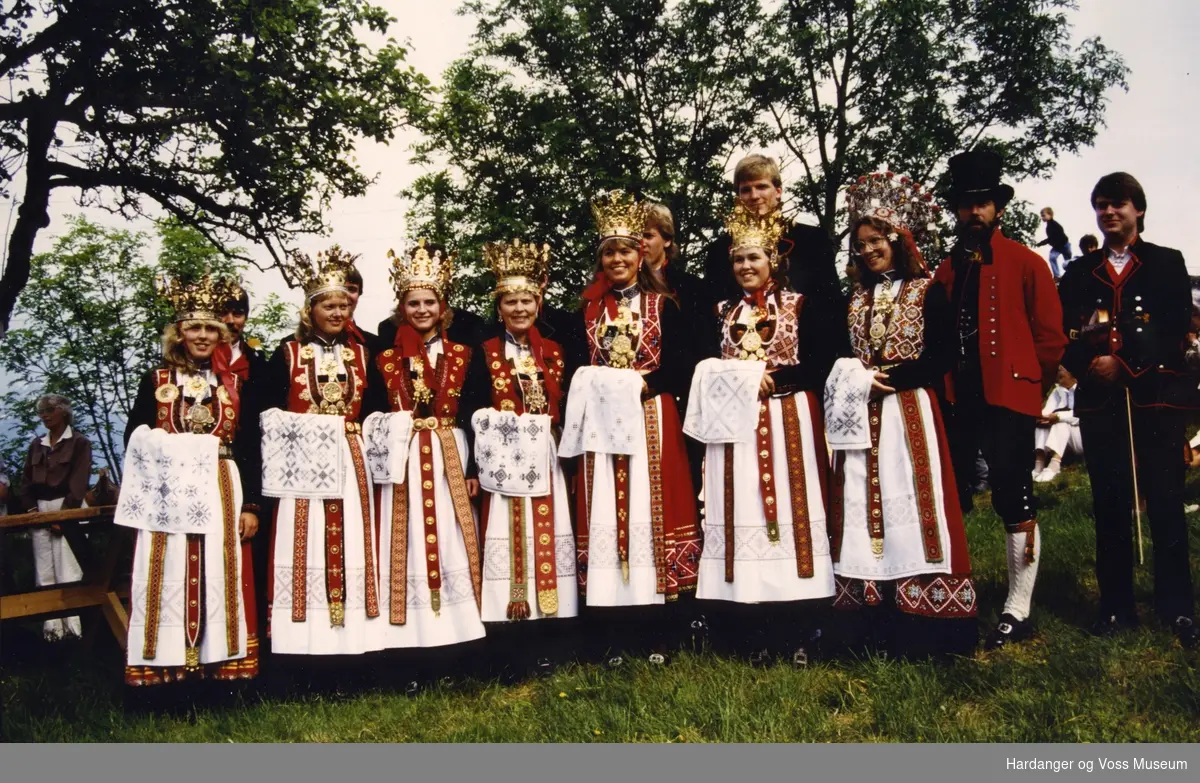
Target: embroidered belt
(300, 561)
(398, 612)
(837, 506)
(335, 562)
(621, 487)
(874, 496)
(728, 481)
(544, 555)
(766, 464)
(433, 567)
(368, 527)
(798, 487)
(453, 465)
(657, 512)
(230, 551)
(918, 451)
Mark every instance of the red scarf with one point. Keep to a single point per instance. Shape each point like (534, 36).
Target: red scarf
(412, 346)
(225, 375)
(599, 294)
(759, 297)
(537, 347)
(355, 333)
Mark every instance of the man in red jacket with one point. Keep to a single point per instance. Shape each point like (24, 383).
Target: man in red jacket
(1010, 341)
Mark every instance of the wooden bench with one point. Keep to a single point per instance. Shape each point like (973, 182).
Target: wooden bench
(96, 592)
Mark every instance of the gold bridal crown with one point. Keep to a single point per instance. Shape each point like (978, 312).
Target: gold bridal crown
(895, 200)
(326, 274)
(517, 266)
(618, 214)
(200, 300)
(416, 268)
(750, 230)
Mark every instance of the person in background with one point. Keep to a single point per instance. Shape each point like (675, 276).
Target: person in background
(354, 289)
(1056, 238)
(1088, 244)
(1057, 430)
(58, 467)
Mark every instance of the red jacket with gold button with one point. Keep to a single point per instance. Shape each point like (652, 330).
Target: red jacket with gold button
(1021, 338)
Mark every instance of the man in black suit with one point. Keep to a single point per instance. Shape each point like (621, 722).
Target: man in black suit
(805, 252)
(1127, 310)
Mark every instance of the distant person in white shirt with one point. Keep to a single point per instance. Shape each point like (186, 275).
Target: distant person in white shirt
(1058, 430)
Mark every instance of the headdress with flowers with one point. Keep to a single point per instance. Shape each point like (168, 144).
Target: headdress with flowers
(898, 201)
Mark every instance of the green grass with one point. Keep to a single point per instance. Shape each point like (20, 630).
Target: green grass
(1064, 686)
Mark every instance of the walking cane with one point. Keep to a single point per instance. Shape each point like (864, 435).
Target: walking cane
(1137, 505)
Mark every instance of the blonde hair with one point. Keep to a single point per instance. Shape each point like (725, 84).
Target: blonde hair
(1048, 212)
(305, 329)
(175, 352)
(755, 167)
(659, 217)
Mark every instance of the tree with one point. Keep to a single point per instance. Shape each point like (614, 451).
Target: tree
(90, 324)
(555, 101)
(853, 86)
(236, 117)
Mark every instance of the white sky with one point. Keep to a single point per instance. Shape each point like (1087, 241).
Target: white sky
(1150, 133)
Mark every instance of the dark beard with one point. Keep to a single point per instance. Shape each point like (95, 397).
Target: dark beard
(974, 233)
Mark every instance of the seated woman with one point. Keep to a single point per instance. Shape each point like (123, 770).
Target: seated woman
(1057, 432)
(895, 524)
(428, 532)
(193, 607)
(57, 468)
(637, 536)
(516, 382)
(766, 560)
(321, 383)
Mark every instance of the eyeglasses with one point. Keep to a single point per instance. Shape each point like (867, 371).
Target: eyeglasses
(861, 247)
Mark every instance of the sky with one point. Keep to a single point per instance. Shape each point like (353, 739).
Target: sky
(1151, 134)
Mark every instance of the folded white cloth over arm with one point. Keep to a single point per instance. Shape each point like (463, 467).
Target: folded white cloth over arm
(723, 403)
(512, 453)
(847, 392)
(387, 436)
(170, 483)
(302, 455)
(604, 413)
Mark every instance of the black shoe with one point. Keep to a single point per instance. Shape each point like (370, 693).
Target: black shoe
(1008, 631)
(1186, 632)
(543, 667)
(1109, 625)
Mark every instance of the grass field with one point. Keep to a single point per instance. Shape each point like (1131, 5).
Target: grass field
(1064, 686)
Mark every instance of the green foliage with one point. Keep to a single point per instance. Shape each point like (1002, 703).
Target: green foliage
(1063, 686)
(90, 323)
(239, 118)
(555, 101)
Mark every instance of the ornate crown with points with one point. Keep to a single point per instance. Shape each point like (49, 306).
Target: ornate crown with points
(619, 214)
(327, 273)
(747, 229)
(897, 200)
(199, 300)
(517, 266)
(416, 268)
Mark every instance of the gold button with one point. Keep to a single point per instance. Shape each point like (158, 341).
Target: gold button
(192, 603)
(424, 449)
(427, 484)
(433, 574)
(433, 557)
(762, 430)
(770, 501)
(333, 507)
(429, 503)
(334, 549)
(766, 477)
(545, 568)
(426, 466)
(335, 593)
(543, 509)
(195, 581)
(430, 520)
(431, 539)
(194, 558)
(544, 539)
(764, 454)
(191, 625)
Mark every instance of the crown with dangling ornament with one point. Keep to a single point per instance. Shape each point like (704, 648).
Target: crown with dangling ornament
(747, 229)
(202, 299)
(898, 201)
(417, 268)
(517, 266)
(619, 215)
(326, 274)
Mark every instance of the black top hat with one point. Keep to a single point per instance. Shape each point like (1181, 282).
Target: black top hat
(976, 174)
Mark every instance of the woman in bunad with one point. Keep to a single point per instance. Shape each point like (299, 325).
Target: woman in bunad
(515, 389)
(766, 566)
(429, 541)
(896, 530)
(634, 556)
(325, 592)
(194, 504)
